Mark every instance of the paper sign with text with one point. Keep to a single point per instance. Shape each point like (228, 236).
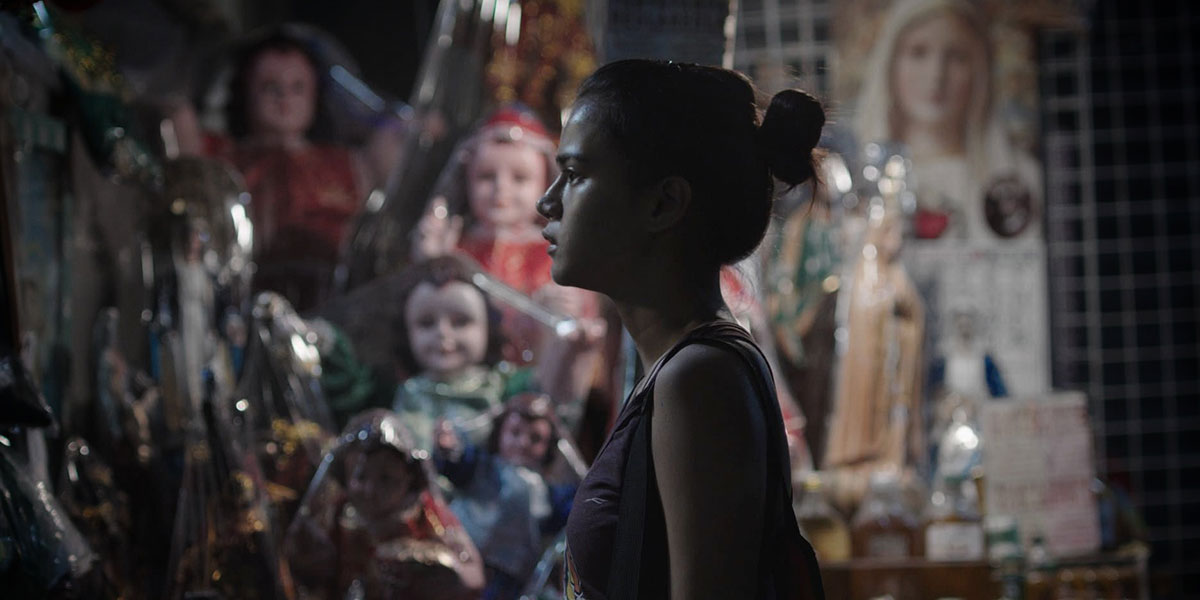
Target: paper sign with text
(1038, 465)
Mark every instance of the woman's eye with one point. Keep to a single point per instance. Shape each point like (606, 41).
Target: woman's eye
(572, 175)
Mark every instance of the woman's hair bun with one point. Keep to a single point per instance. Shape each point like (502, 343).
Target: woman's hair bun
(789, 133)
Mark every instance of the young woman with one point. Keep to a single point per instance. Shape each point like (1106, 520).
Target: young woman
(666, 175)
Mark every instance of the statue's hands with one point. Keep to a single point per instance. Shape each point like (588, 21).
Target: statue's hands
(562, 300)
(573, 302)
(446, 439)
(438, 231)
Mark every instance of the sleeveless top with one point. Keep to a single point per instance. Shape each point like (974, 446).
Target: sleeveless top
(592, 525)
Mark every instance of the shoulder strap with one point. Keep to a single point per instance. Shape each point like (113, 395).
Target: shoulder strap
(624, 582)
(781, 553)
(788, 561)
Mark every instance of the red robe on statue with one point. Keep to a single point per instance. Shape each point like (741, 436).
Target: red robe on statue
(524, 266)
(301, 204)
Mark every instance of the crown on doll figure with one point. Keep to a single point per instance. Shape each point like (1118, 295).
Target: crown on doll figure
(517, 121)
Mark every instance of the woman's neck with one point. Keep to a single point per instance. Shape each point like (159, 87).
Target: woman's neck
(659, 319)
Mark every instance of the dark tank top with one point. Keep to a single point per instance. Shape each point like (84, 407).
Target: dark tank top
(592, 525)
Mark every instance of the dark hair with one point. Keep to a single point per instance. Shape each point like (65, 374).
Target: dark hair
(439, 271)
(531, 406)
(701, 123)
(275, 40)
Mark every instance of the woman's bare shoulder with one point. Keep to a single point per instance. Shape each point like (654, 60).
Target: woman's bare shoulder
(707, 390)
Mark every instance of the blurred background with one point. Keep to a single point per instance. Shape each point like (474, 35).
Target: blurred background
(219, 214)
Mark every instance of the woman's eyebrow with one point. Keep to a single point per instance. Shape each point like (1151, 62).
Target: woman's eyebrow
(564, 157)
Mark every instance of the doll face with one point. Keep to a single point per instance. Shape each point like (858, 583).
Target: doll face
(447, 328)
(524, 442)
(381, 483)
(283, 93)
(505, 180)
(933, 71)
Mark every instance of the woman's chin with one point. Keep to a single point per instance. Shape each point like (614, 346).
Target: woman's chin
(558, 272)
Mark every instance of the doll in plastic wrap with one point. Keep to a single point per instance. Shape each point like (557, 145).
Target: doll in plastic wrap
(877, 417)
(42, 553)
(491, 188)
(373, 525)
(305, 192)
(501, 497)
(448, 340)
(487, 208)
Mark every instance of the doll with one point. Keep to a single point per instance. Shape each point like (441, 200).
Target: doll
(494, 181)
(304, 191)
(449, 343)
(501, 497)
(373, 525)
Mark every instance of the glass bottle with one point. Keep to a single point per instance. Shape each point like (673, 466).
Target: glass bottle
(883, 527)
(821, 524)
(953, 529)
(1006, 555)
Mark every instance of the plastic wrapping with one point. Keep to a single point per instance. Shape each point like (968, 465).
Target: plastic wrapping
(279, 405)
(222, 545)
(42, 554)
(20, 401)
(90, 495)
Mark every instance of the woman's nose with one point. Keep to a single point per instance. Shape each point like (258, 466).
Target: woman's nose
(548, 205)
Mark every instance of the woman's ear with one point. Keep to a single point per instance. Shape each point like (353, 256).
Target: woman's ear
(670, 202)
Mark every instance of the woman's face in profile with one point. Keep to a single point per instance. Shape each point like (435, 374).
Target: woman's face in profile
(592, 207)
(932, 72)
